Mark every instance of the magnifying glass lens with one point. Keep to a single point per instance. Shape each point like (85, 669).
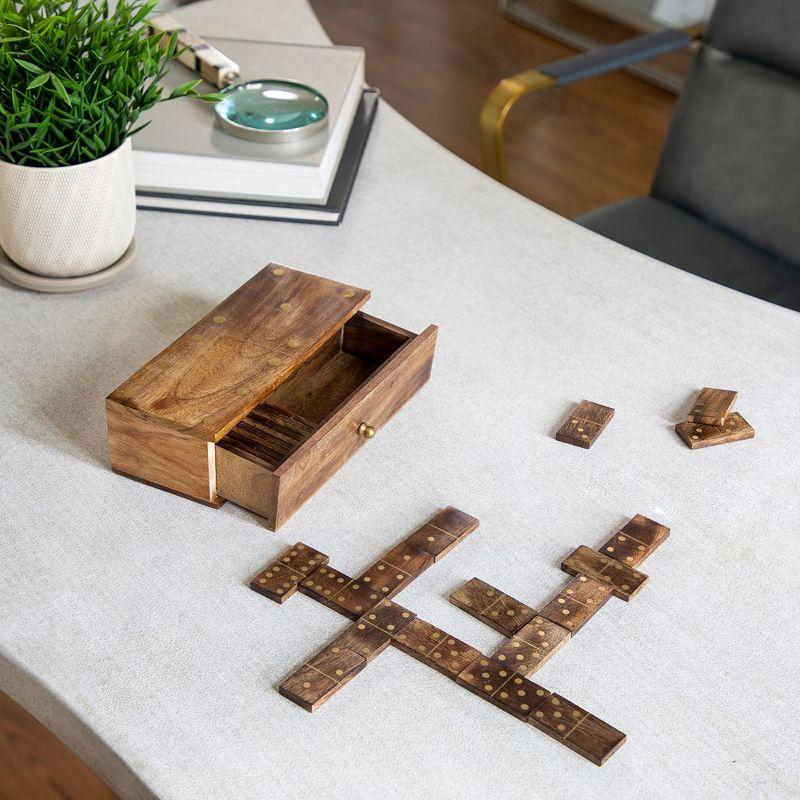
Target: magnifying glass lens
(269, 105)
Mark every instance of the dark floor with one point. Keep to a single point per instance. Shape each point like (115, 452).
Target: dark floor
(435, 61)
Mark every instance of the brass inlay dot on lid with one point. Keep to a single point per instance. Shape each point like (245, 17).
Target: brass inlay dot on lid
(565, 612)
(540, 714)
(195, 337)
(306, 685)
(561, 727)
(218, 318)
(362, 627)
(339, 672)
(561, 600)
(485, 675)
(641, 547)
(165, 365)
(580, 430)
(484, 662)
(430, 538)
(521, 693)
(501, 658)
(576, 714)
(699, 430)
(695, 437)
(278, 271)
(517, 680)
(557, 714)
(280, 591)
(405, 616)
(454, 653)
(582, 578)
(520, 657)
(262, 580)
(511, 612)
(524, 706)
(570, 591)
(609, 549)
(629, 559)
(503, 673)
(625, 587)
(242, 391)
(348, 293)
(504, 695)
(285, 306)
(488, 687)
(293, 342)
(621, 538)
(334, 650)
(437, 655)
(540, 692)
(390, 627)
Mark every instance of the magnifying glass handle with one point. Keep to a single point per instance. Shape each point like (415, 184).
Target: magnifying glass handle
(200, 56)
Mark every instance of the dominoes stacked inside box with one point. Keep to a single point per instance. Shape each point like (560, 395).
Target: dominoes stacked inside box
(712, 422)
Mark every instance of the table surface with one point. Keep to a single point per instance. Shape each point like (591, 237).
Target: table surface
(126, 622)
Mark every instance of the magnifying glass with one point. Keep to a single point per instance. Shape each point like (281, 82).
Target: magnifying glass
(265, 110)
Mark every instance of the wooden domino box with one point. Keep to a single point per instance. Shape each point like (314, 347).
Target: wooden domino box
(267, 396)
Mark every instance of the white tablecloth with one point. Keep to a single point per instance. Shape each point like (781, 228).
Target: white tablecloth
(126, 622)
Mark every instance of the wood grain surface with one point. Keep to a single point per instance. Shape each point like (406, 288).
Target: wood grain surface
(712, 406)
(140, 448)
(499, 611)
(635, 540)
(35, 765)
(572, 149)
(584, 424)
(735, 429)
(374, 402)
(226, 364)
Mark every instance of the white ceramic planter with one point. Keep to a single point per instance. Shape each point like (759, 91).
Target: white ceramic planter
(68, 221)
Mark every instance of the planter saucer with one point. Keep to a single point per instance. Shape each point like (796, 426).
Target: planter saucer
(42, 283)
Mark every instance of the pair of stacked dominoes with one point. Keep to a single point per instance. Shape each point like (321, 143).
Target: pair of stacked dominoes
(712, 422)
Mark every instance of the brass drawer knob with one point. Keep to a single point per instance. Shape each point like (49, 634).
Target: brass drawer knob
(367, 431)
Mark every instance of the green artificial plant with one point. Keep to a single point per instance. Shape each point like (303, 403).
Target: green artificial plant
(75, 77)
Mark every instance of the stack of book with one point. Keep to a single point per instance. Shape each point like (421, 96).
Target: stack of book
(185, 161)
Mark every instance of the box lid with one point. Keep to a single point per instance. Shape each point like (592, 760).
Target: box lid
(213, 375)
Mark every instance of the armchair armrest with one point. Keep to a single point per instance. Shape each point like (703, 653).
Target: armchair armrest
(561, 73)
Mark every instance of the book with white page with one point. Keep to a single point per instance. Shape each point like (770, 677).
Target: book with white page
(185, 151)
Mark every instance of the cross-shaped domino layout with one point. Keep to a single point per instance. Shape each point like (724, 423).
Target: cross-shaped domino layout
(500, 679)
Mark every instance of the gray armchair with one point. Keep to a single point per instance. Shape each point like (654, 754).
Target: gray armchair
(725, 200)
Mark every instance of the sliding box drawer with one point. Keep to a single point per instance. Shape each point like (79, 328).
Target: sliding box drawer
(334, 405)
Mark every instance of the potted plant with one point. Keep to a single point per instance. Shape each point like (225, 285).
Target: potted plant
(74, 79)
